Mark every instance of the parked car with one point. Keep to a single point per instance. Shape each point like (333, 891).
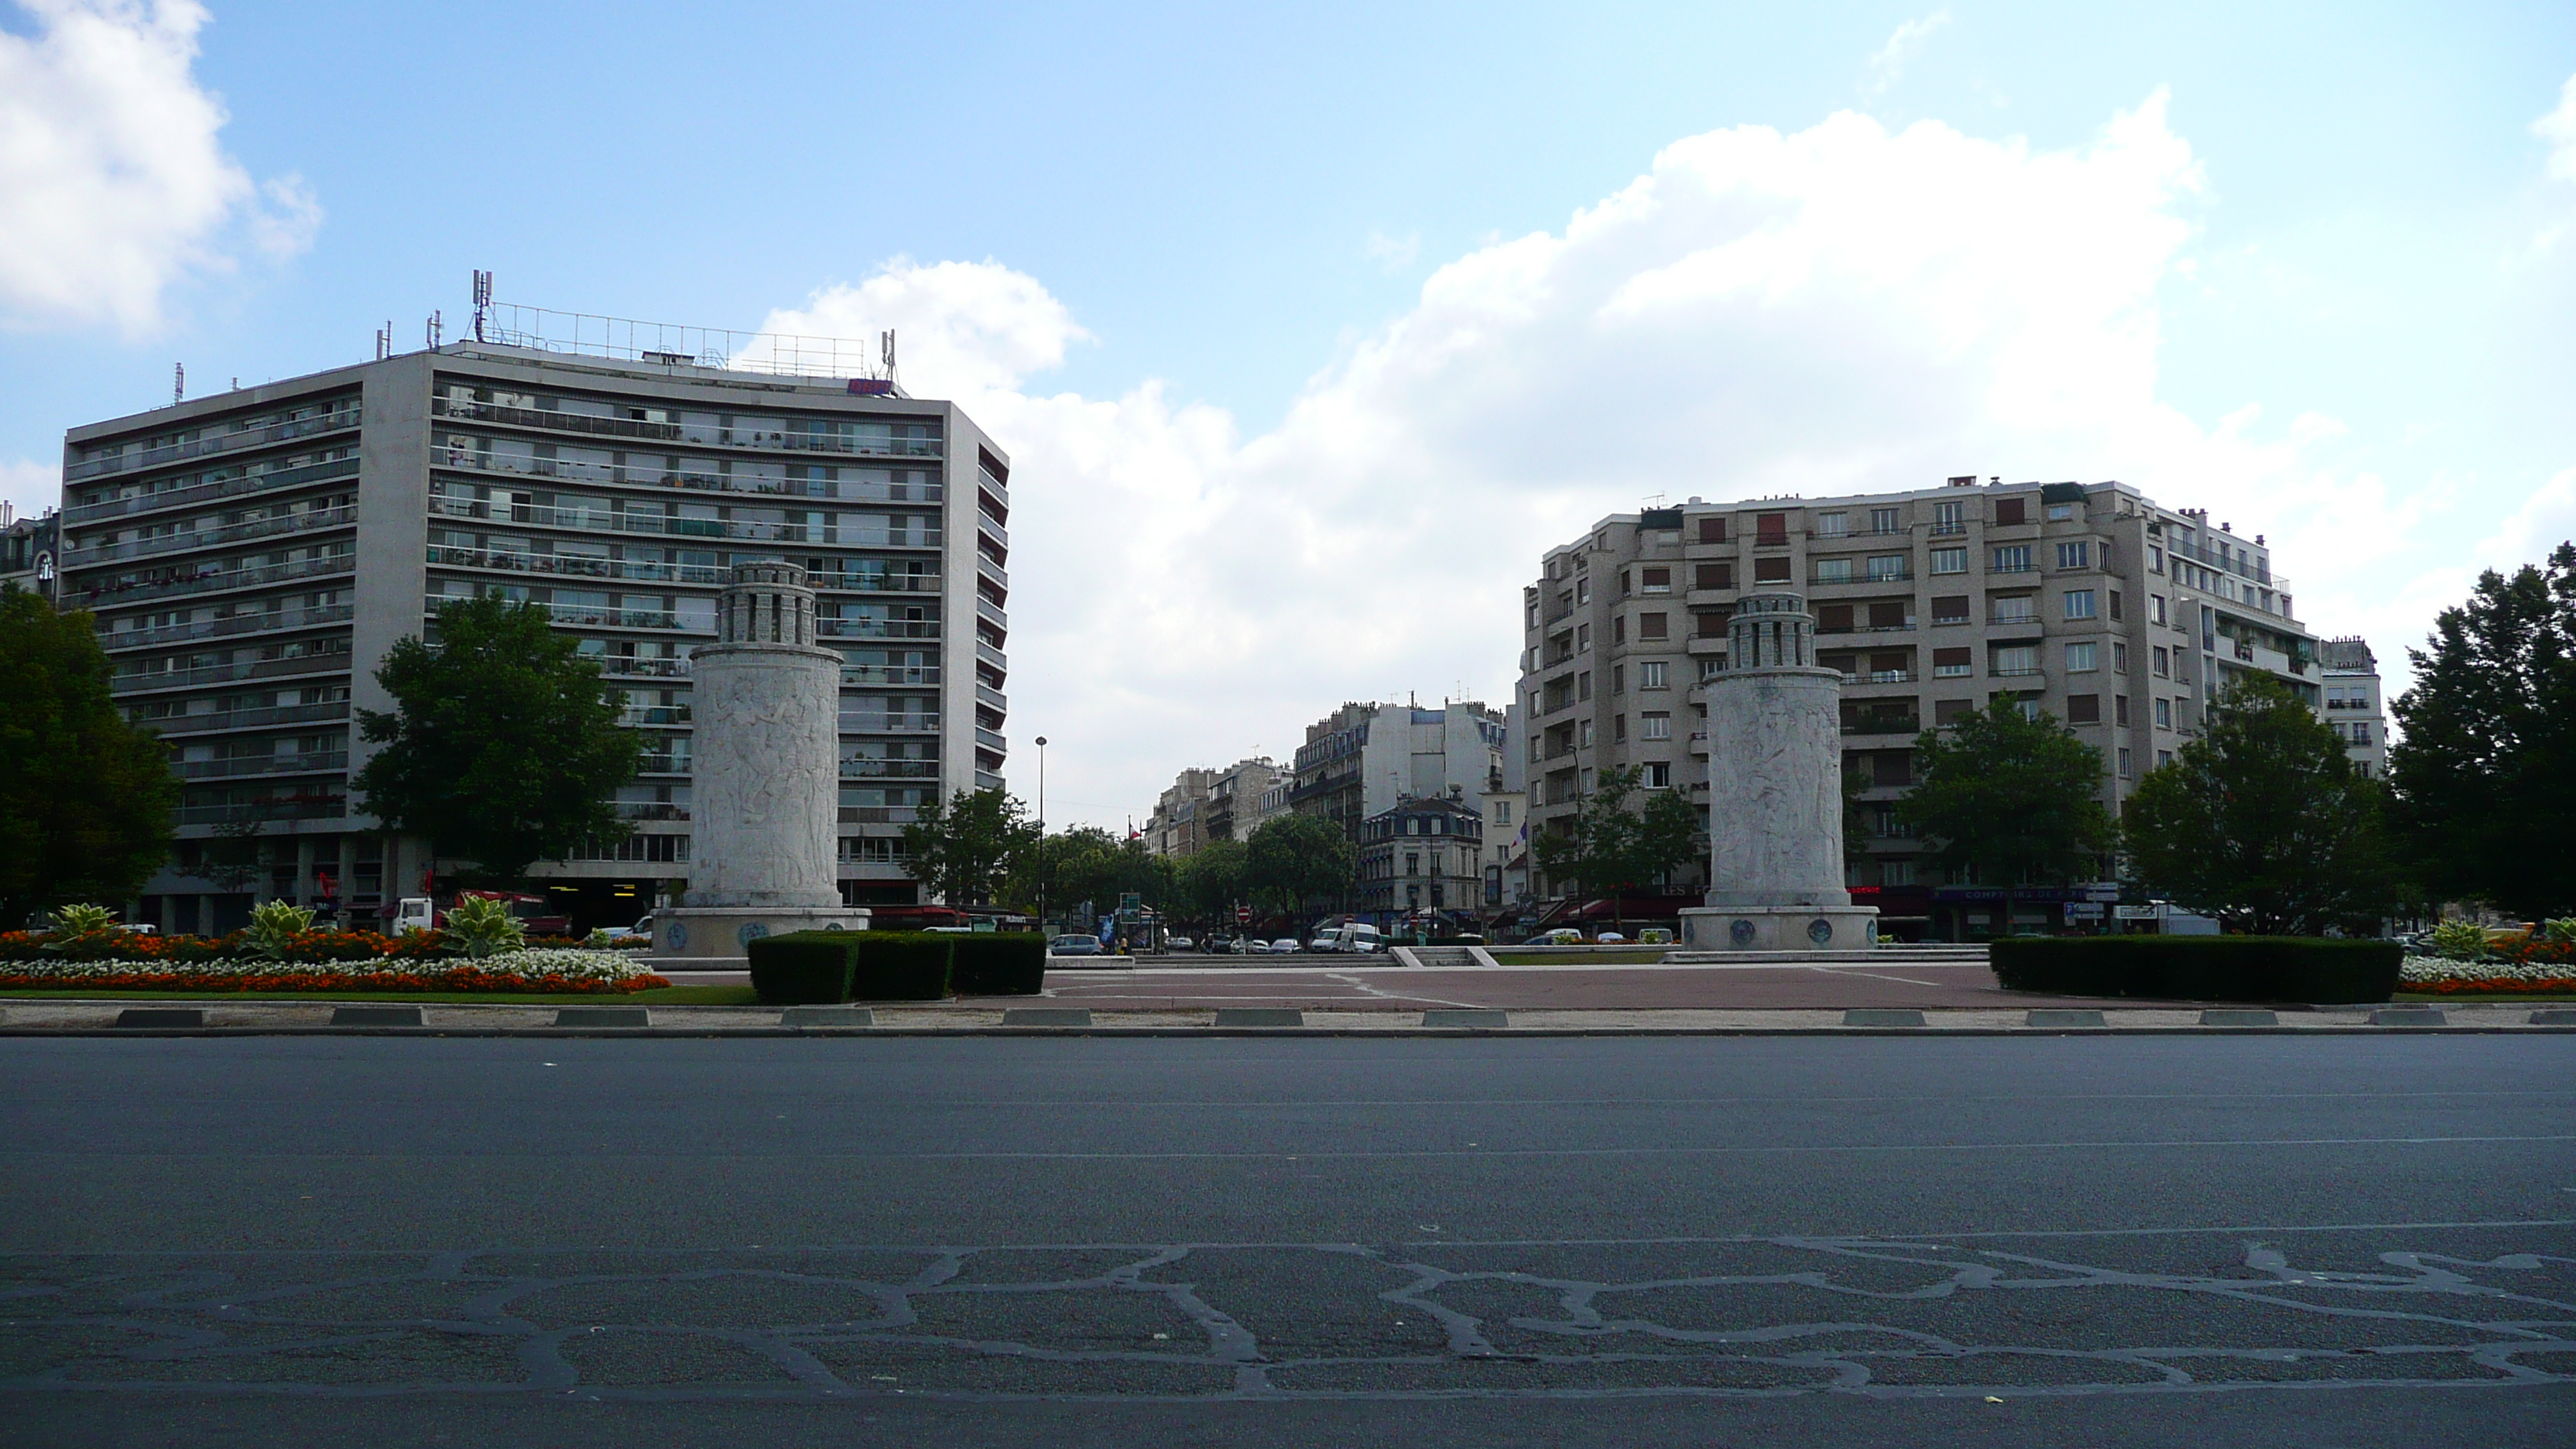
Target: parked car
(1561, 936)
(642, 930)
(1609, 937)
(1220, 946)
(1074, 946)
(1284, 946)
(1179, 943)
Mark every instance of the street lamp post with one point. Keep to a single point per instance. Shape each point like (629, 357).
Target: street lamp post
(1045, 867)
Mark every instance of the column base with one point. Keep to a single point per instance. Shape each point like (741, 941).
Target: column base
(715, 938)
(1779, 928)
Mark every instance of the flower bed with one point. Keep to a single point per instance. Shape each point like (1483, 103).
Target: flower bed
(543, 970)
(2441, 976)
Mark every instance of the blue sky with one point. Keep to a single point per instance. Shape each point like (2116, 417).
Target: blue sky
(1288, 315)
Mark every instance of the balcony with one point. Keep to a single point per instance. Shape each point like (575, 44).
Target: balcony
(575, 470)
(876, 628)
(889, 769)
(291, 807)
(336, 760)
(623, 666)
(1884, 724)
(209, 537)
(331, 422)
(573, 565)
(654, 714)
(987, 780)
(203, 492)
(879, 814)
(1880, 676)
(139, 681)
(208, 581)
(871, 582)
(992, 740)
(651, 810)
(985, 611)
(881, 675)
(990, 655)
(2033, 672)
(990, 697)
(853, 723)
(196, 724)
(853, 445)
(220, 628)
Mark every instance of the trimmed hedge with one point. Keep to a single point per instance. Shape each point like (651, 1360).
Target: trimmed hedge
(900, 966)
(998, 963)
(2201, 968)
(803, 968)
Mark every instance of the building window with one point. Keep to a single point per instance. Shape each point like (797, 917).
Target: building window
(2061, 512)
(1659, 775)
(1888, 566)
(1949, 518)
(2014, 559)
(1618, 726)
(2115, 603)
(1618, 628)
(1655, 726)
(1583, 734)
(2163, 758)
(1583, 685)
(1896, 872)
(2164, 714)
(2119, 657)
(1770, 530)
(1952, 663)
(1949, 560)
(2076, 555)
(1502, 812)
(2082, 658)
(2083, 709)
(1655, 581)
(1950, 609)
(2079, 603)
(2010, 511)
(2155, 608)
(2360, 733)
(1832, 525)
(2013, 609)
(2124, 764)
(1713, 576)
(2155, 558)
(1712, 529)
(1650, 674)
(1882, 520)
(1582, 637)
(1618, 679)
(2016, 659)
(2163, 661)
(1651, 626)
(1833, 571)
(1771, 570)
(1583, 589)
(2119, 709)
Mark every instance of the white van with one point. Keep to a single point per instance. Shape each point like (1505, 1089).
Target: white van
(1359, 939)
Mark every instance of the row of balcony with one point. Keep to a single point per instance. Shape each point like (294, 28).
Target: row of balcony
(286, 807)
(205, 581)
(841, 533)
(192, 724)
(610, 474)
(850, 445)
(126, 462)
(259, 482)
(304, 522)
(140, 681)
(216, 769)
(216, 628)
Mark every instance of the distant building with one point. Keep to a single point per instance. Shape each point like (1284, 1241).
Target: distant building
(1422, 858)
(2353, 704)
(1176, 827)
(30, 548)
(1235, 806)
(1361, 759)
(1205, 805)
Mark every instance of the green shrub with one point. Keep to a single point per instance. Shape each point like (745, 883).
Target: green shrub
(803, 968)
(2201, 968)
(484, 927)
(998, 964)
(2459, 941)
(274, 927)
(900, 966)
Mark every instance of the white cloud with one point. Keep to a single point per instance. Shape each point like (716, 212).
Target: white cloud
(1887, 64)
(2558, 128)
(1394, 253)
(113, 178)
(2544, 521)
(1839, 309)
(30, 487)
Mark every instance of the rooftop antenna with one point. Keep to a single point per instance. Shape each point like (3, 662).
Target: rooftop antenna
(885, 350)
(385, 341)
(482, 301)
(437, 326)
(178, 382)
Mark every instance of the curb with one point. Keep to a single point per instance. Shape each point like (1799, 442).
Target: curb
(1918, 1033)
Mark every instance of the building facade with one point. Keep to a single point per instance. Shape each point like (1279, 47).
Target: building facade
(251, 556)
(1361, 759)
(2118, 615)
(1176, 828)
(30, 550)
(1420, 859)
(2354, 704)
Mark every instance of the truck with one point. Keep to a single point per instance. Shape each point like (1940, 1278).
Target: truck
(535, 914)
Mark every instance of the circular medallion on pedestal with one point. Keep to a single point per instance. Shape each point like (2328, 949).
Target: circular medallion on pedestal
(1869, 930)
(1741, 933)
(676, 936)
(751, 931)
(832, 926)
(1820, 931)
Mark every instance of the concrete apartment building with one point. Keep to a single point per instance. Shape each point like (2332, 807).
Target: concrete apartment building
(1361, 759)
(1422, 858)
(2354, 703)
(2118, 615)
(1208, 805)
(252, 555)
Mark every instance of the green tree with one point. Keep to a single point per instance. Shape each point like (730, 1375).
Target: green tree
(1296, 862)
(85, 795)
(1087, 863)
(2263, 823)
(1614, 846)
(1214, 878)
(2485, 769)
(502, 747)
(963, 850)
(2009, 797)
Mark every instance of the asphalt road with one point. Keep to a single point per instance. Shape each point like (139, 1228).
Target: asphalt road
(1087, 1241)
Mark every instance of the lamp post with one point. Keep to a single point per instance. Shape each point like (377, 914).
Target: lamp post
(1045, 867)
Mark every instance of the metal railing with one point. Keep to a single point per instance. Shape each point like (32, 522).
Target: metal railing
(135, 681)
(210, 580)
(889, 769)
(573, 565)
(878, 675)
(877, 628)
(191, 724)
(292, 808)
(889, 724)
(575, 470)
(258, 482)
(259, 765)
(341, 516)
(851, 444)
(1868, 724)
(331, 422)
(854, 582)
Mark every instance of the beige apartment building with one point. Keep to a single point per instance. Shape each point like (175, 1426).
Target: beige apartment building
(2354, 702)
(2116, 614)
(1204, 805)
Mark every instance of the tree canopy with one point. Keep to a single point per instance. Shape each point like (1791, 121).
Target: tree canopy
(2009, 796)
(503, 747)
(1294, 862)
(1216, 877)
(2485, 769)
(1087, 863)
(85, 796)
(2263, 823)
(961, 851)
(1618, 843)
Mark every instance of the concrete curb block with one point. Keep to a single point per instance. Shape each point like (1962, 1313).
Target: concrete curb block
(1916, 1033)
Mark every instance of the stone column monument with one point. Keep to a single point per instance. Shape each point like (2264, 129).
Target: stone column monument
(765, 795)
(1775, 800)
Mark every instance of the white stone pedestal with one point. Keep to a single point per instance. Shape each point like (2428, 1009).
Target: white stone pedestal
(1779, 928)
(717, 938)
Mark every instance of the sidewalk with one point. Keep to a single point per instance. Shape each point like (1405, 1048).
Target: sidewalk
(234, 1015)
